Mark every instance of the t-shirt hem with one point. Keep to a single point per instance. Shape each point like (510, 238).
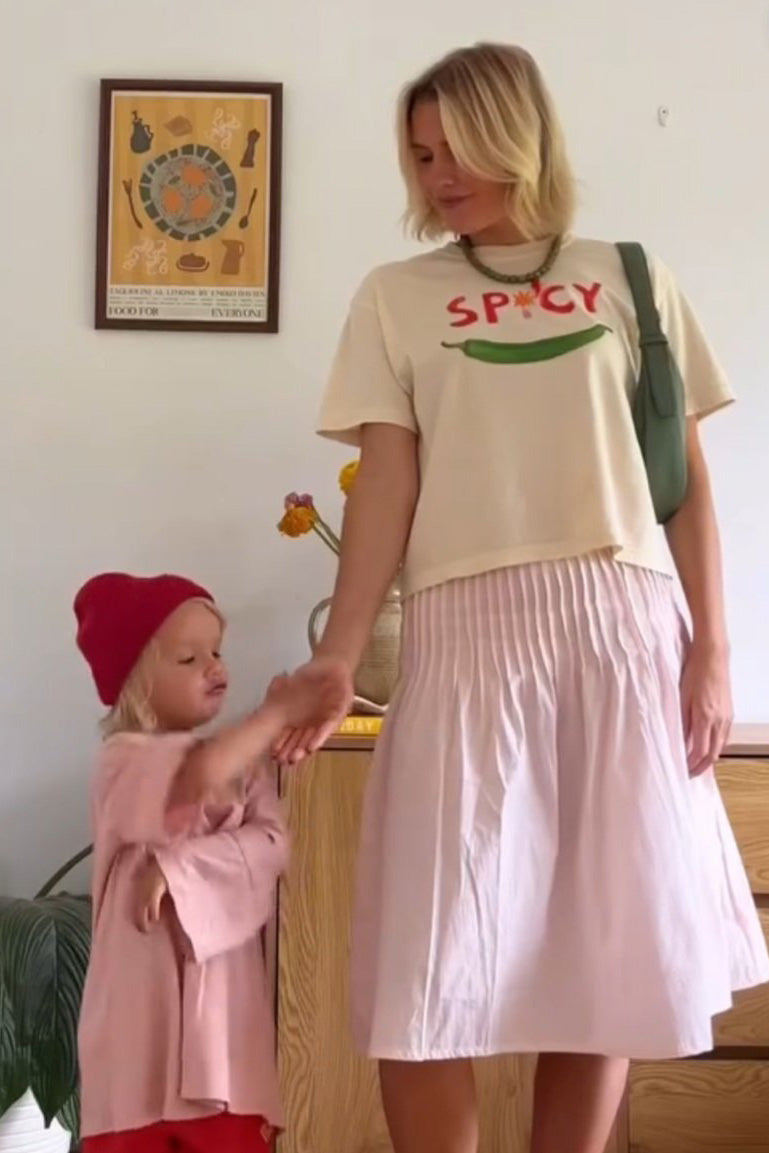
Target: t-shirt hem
(702, 411)
(533, 554)
(349, 432)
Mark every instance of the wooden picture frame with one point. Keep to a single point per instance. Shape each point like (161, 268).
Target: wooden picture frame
(188, 224)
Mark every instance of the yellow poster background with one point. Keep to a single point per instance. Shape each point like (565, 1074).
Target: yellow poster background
(233, 258)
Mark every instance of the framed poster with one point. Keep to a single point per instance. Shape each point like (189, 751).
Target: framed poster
(188, 227)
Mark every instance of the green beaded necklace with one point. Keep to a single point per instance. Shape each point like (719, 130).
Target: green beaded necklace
(466, 247)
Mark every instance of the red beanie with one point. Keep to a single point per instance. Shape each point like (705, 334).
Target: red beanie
(118, 615)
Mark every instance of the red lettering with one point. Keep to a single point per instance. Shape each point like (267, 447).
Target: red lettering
(458, 307)
(589, 295)
(492, 302)
(547, 302)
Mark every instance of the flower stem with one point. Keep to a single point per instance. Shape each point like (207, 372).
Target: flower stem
(316, 528)
(330, 533)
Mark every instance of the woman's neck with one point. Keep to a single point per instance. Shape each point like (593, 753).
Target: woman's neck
(500, 233)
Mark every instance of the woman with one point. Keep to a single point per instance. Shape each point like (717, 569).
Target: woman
(545, 862)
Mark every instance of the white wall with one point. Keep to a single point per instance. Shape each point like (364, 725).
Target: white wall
(159, 451)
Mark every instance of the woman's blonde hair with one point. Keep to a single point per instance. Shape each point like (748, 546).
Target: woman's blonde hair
(132, 711)
(500, 125)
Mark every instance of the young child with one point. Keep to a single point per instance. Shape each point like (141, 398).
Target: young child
(176, 1034)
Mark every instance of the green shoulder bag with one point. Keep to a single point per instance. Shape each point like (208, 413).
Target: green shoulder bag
(658, 407)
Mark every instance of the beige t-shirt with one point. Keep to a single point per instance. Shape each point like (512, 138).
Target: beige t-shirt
(526, 454)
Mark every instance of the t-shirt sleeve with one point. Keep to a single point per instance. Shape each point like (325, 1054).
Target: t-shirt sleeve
(132, 788)
(370, 381)
(706, 386)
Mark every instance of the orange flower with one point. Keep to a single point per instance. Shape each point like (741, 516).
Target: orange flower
(347, 476)
(525, 300)
(298, 520)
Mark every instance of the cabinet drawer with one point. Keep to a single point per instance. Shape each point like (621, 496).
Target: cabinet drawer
(745, 788)
(700, 1106)
(748, 1022)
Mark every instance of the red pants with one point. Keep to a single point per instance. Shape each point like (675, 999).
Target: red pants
(222, 1133)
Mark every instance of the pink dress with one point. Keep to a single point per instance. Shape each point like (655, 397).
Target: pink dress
(178, 1023)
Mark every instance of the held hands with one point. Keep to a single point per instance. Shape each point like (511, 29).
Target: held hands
(151, 888)
(314, 700)
(308, 705)
(706, 701)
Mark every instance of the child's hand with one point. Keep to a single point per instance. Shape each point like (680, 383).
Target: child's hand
(314, 695)
(314, 701)
(302, 710)
(151, 888)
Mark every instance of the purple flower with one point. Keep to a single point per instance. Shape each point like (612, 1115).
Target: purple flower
(299, 500)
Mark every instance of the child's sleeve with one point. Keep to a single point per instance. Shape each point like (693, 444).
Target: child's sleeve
(132, 788)
(223, 884)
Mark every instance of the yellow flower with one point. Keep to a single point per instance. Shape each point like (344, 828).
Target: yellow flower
(297, 520)
(347, 476)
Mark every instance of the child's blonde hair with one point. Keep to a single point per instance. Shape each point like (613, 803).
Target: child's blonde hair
(500, 125)
(132, 712)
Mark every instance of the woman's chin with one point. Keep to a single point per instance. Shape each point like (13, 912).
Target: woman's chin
(456, 223)
(464, 224)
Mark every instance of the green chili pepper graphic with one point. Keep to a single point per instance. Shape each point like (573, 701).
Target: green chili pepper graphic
(493, 352)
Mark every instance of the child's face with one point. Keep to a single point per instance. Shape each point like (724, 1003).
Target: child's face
(189, 679)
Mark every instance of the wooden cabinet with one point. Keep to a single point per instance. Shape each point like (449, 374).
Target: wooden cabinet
(330, 1093)
(744, 783)
(748, 1021)
(719, 1104)
(700, 1107)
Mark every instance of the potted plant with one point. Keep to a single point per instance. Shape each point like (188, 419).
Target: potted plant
(44, 947)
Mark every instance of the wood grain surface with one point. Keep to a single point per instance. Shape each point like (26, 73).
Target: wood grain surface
(748, 1022)
(745, 788)
(331, 1094)
(700, 1107)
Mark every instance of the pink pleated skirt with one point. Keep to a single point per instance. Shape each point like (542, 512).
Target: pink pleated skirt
(537, 870)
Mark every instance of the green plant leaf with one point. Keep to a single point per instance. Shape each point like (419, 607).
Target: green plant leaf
(14, 1059)
(44, 946)
(69, 1117)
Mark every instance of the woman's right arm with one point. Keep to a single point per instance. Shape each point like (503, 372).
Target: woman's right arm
(376, 528)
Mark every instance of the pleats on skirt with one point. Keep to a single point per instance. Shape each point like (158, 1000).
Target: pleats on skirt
(537, 870)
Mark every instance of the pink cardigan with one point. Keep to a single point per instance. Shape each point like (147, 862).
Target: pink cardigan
(178, 1023)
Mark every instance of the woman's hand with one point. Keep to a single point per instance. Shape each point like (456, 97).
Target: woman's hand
(706, 701)
(325, 686)
(316, 695)
(307, 705)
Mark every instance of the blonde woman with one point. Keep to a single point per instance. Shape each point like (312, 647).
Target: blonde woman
(545, 862)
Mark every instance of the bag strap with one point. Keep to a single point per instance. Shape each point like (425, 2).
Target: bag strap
(655, 350)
